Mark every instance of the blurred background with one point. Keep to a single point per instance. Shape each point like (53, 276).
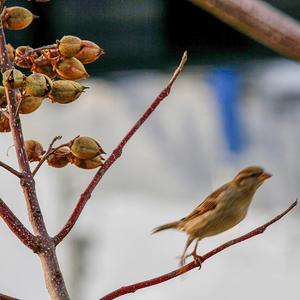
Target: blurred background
(235, 104)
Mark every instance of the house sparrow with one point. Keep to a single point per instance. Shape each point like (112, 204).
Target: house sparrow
(221, 210)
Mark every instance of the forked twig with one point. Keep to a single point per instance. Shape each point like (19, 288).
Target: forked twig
(46, 155)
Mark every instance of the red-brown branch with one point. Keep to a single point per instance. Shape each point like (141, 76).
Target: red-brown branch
(10, 169)
(16, 226)
(5, 297)
(116, 154)
(260, 21)
(157, 280)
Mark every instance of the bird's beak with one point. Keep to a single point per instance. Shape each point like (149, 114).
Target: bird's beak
(264, 176)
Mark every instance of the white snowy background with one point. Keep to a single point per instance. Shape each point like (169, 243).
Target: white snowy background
(177, 158)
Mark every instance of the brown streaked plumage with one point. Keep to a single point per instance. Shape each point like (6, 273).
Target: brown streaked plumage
(221, 210)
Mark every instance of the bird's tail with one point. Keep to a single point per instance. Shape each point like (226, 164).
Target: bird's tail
(166, 226)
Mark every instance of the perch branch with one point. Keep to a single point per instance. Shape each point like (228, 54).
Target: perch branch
(157, 280)
(10, 169)
(116, 154)
(16, 226)
(260, 21)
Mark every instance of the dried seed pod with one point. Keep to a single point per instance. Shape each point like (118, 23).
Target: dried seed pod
(4, 123)
(34, 150)
(13, 79)
(20, 61)
(89, 52)
(69, 45)
(66, 91)
(17, 18)
(88, 163)
(29, 104)
(84, 147)
(3, 101)
(59, 158)
(38, 85)
(70, 69)
(10, 51)
(43, 65)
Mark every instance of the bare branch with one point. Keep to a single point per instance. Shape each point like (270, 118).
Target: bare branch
(157, 280)
(10, 169)
(85, 196)
(5, 297)
(46, 155)
(260, 21)
(16, 226)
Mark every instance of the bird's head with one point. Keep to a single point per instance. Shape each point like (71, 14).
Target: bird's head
(251, 178)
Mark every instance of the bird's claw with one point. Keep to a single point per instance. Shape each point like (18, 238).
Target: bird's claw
(198, 260)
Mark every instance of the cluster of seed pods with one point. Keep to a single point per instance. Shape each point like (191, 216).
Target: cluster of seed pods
(54, 74)
(84, 152)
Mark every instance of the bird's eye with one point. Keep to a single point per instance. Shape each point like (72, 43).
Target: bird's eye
(254, 175)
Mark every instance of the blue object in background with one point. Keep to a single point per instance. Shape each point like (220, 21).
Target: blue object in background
(226, 84)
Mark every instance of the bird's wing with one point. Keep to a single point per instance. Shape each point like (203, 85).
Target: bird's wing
(208, 204)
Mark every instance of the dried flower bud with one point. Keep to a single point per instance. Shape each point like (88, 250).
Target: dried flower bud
(88, 163)
(19, 53)
(34, 150)
(70, 69)
(38, 85)
(59, 158)
(69, 45)
(84, 147)
(10, 51)
(89, 52)
(13, 79)
(29, 104)
(65, 91)
(44, 66)
(4, 123)
(17, 18)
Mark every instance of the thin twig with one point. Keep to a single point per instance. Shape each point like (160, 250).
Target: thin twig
(46, 155)
(157, 280)
(10, 169)
(116, 154)
(16, 226)
(30, 52)
(260, 21)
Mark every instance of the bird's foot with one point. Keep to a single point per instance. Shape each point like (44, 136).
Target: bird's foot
(197, 259)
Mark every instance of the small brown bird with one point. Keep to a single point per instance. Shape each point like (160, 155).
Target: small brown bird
(221, 210)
